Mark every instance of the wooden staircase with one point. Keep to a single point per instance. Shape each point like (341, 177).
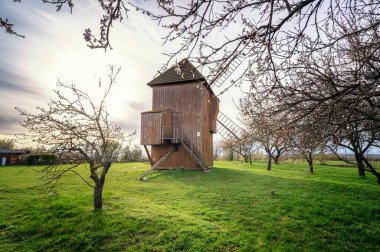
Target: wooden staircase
(186, 143)
(193, 151)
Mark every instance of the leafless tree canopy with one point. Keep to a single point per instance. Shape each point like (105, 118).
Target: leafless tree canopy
(7, 143)
(267, 33)
(114, 10)
(77, 130)
(273, 134)
(308, 139)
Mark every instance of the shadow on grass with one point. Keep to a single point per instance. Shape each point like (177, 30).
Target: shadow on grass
(340, 165)
(65, 225)
(262, 182)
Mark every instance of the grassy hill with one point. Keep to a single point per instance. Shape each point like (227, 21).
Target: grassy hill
(227, 209)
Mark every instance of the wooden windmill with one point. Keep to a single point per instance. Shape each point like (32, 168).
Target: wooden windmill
(183, 119)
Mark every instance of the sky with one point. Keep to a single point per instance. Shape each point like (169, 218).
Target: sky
(54, 48)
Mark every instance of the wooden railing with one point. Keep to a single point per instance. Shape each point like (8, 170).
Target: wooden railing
(175, 135)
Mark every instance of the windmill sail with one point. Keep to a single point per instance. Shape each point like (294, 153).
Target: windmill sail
(228, 129)
(226, 72)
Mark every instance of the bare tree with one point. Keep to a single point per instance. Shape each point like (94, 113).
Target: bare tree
(217, 150)
(309, 139)
(7, 143)
(126, 152)
(358, 139)
(336, 87)
(76, 124)
(136, 153)
(217, 33)
(228, 152)
(270, 133)
(242, 147)
(341, 83)
(114, 10)
(341, 87)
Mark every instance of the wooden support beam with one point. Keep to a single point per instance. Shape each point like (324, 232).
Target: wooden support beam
(148, 154)
(167, 155)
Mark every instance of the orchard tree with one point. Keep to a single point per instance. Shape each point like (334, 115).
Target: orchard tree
(217, 150)
(273, 133)
(243, 147)
(270, 133)
(228, 152)
(309, 139)
(7, 143)
(339, 88)
(359, 139)
(74, 123)
(341, 84)
(136, 153)
(113, 10)
(269, 34)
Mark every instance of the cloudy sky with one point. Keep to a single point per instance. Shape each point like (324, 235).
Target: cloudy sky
(54, 49)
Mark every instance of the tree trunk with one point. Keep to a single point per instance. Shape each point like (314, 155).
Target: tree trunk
(276, 158)
(98, 191)
(361, 170)
(311, 167)
(269, 166)
(310, 161)
(360, 164)
(372, 170)
(230, 155)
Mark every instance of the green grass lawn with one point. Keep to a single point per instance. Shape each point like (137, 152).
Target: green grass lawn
(227, 209)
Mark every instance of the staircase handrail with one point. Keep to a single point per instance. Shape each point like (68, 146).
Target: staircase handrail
(180, 135)
(193, 147)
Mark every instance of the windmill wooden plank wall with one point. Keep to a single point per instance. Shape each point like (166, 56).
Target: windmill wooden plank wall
(183, 107)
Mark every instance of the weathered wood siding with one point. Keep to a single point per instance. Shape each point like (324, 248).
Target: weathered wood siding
(166, 124)
(214, 110)
(190, 102)
(154, 125)
(150, 128)
(207, 121)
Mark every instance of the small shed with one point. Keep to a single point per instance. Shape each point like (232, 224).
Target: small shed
(180, 126)
(10, 157)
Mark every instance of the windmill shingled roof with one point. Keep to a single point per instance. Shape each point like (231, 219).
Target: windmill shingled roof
(181, 72)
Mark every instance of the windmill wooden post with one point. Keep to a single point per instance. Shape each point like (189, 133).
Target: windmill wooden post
(181, 124)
